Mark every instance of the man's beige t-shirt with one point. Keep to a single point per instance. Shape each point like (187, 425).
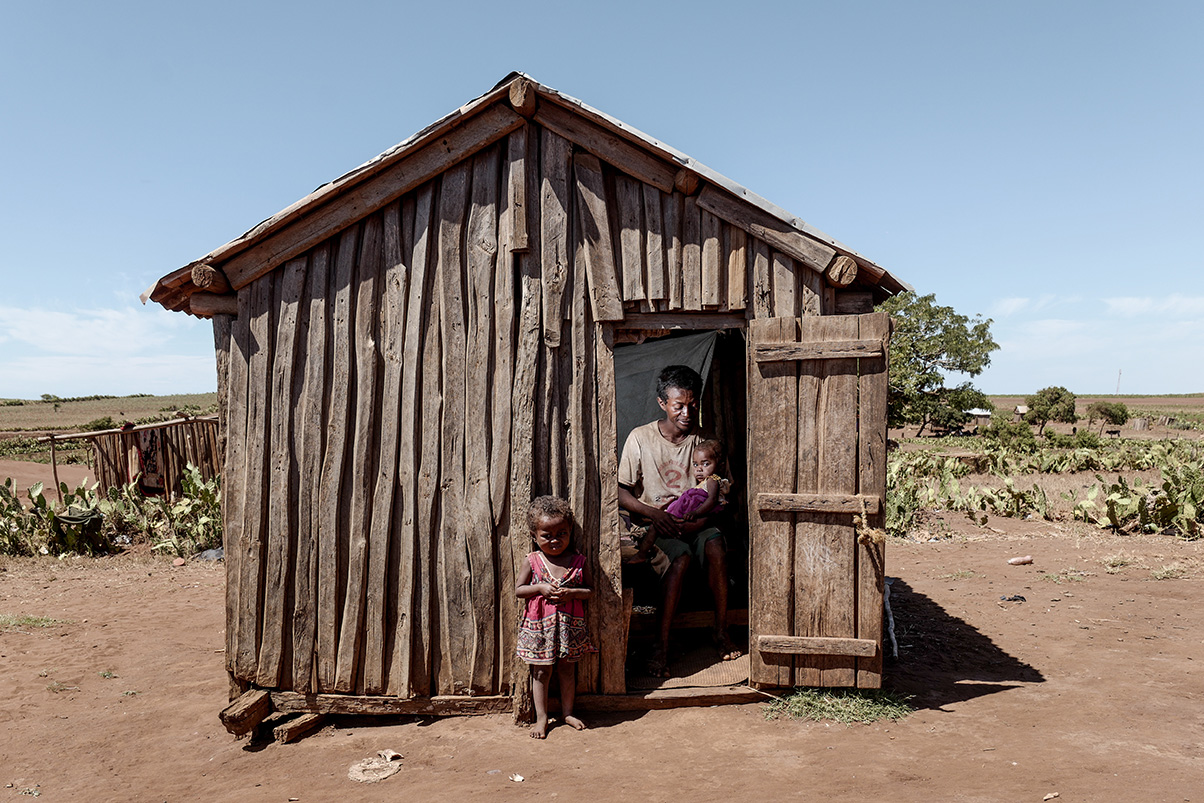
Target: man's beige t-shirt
(656, 470)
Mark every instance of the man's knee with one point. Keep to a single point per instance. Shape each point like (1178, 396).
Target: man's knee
(714, 549)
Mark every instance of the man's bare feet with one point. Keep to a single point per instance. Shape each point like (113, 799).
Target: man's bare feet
(658, 665)
(574, 723)
(540, 729)
(727, 650)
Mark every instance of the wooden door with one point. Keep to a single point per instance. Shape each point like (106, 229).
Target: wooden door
(817, 460)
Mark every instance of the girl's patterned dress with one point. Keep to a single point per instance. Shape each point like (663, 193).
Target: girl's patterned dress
(550, 632)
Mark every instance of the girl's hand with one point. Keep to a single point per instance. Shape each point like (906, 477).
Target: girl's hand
(548, 590)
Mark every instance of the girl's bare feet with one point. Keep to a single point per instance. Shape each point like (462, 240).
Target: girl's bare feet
(540, 729)
(658, 665)
(574, 723)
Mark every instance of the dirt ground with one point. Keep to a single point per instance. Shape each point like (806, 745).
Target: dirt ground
(1090, 687)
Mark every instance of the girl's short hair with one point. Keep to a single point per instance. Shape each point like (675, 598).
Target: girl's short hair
(715, 448)
(548, 507)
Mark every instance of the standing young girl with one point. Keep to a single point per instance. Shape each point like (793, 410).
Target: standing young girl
(555, 582)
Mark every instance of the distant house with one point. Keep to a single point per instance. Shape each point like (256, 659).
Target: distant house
(1020, 412)
(978, 417)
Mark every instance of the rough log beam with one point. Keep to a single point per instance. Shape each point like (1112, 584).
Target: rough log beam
(818, 503)
(607, 146)
(831, 350)
(207, 277)
(765, 226)
(842, 272)
(814, 645)
(296, 728)
(522, 97)
(293, 703)
(242, 715)
(387, 185)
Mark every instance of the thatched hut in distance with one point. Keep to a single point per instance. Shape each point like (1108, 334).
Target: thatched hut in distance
(412, 352)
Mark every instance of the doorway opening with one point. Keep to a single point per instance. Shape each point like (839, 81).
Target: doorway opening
(719, 355)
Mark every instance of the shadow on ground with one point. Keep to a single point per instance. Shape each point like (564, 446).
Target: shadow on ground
(943, 659)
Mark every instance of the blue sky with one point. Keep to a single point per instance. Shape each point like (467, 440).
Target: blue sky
(1037, 163)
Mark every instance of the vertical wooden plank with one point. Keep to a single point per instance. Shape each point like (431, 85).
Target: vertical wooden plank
(813, 556)
(785, 282)
(691, 254)
(608, 592)
(232, 410)
(253, 540)
(762, 285)
(481, 244)
(654, 245)
(516, 188)
(736, 248)
(631, 247)
(871, 481)
(579, 468)
(281, 524)
(311, 423)
(826, 542)
(393, 276)
(504, 344)
(712, 265)
(526, 363)
(593, 217)
(457, 624)
(672, 208)
(773, 457)
(364, 449)
(555, 159)
(811, 286)
(427, 626)
(332, 526)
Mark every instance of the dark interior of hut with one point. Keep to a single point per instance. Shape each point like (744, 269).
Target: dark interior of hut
(720, 356)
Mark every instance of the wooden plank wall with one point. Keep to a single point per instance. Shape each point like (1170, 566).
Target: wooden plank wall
(397, 394)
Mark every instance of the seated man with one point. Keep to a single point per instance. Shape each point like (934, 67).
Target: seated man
(654, 469)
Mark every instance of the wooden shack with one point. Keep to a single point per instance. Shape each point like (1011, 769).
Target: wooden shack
(412, 352)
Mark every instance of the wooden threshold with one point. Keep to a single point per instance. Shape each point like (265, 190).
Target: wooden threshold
(668, 698)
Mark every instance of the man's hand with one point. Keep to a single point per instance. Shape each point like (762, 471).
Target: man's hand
(664, 523)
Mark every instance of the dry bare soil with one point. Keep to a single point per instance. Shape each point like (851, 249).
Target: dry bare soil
(1090, 687)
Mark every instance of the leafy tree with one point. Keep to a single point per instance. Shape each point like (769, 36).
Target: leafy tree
(1114, 413)
(930, 341)
(1013, 436)
(1050, 404)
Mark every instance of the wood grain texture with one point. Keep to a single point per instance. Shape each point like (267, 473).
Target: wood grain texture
(630, 213)
(360, 705)
(254, 540)
(234, 500)
(814, 645)
(555, 164)
(785, 286)
(764, 226)
(593, 218)
(608, 592)
(332, 526)
(481, 244)
(871, 481)
(672, 207)
(829, 350)
(364, 448)
(842, 272)
(607, 146)
(353, 203)
(311, 423)
(378, 629)
(282, 524)
(762, 284)
(427, 614)
(736, 251)
(691, 254)
(818, 503)
(713, 268)
(457, 626)
(772, 458)
(654, 244)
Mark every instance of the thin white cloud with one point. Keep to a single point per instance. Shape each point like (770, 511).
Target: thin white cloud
(103, 351)
(1015, 305)
(1172, 306)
